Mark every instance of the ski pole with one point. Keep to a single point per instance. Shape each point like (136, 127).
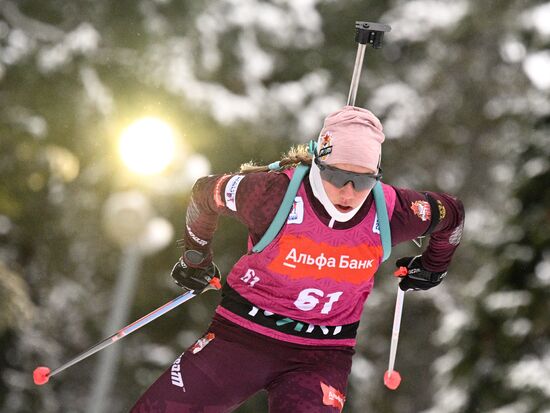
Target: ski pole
(365, 33)
(42, 374)
(392, 378)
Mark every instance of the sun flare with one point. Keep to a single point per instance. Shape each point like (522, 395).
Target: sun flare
(147, 146)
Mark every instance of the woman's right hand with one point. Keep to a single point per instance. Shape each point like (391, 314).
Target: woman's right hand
(194, 278)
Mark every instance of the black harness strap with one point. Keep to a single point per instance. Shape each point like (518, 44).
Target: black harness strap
(435, 217)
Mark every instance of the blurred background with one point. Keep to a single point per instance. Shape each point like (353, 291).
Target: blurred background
(90, 209)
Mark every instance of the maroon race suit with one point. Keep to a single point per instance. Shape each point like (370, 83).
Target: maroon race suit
(236, 359)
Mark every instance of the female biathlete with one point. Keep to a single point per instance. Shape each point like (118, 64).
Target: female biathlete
(289, 314)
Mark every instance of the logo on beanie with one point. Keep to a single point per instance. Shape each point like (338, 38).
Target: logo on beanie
(325, 146)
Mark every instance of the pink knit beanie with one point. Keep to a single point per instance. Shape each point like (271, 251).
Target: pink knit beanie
(351, 135)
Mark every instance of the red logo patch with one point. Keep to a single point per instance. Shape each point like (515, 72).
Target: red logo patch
(326, 146)
(422, 210)
(218, 190)
(301, 257)
(202, 342)
(332, 397)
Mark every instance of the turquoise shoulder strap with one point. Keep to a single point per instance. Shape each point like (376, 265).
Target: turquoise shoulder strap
(288, 200)
(383, 220)
(284, 209)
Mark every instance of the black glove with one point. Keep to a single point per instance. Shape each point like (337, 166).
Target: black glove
(191, 277)
(417, 278)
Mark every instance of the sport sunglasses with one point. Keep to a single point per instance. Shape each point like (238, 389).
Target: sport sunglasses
(339, 177)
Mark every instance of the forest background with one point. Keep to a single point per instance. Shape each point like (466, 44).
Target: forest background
(462, 88)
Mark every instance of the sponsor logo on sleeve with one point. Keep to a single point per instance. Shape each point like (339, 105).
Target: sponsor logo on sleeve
(198, 240)
(456, 235)
(332, 397)
(296, 215)
(442, 210)
(422, 210)
(231, 192)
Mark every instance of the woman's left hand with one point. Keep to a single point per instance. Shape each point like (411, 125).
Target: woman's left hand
(417, 277)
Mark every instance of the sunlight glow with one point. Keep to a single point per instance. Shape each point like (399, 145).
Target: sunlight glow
(147, 146)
